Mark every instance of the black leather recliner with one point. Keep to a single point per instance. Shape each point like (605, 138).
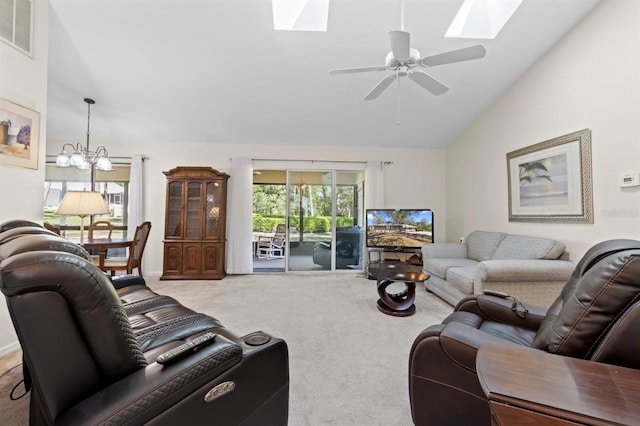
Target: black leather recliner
(596, 317)
(89, 349)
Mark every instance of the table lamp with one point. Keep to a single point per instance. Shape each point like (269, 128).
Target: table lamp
(82, 203)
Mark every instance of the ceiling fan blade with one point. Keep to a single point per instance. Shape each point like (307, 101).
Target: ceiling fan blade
(354, 70)
(400, 41)
(423, 79)
(465, 54)
(380, 87)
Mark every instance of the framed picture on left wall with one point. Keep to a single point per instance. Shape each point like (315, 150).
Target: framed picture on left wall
(19, 135)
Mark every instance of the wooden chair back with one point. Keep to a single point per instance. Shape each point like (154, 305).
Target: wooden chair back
(100, 229)
(52, 228)
(137, 247)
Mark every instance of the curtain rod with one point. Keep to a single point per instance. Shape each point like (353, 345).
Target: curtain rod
(316, 161)
(119, 158)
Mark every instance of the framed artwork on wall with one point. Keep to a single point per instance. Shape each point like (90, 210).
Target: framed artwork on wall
(551, 181)
(19, 135)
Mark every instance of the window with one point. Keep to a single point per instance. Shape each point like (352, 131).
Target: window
(113, 185)
(300, 15)
(482, 18)
(16, 23)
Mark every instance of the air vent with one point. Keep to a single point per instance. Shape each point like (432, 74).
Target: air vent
(16, 18)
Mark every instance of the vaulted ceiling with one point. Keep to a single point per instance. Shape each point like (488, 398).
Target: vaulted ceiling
(216, 71)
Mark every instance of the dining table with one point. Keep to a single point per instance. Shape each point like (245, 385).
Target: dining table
(102, 245)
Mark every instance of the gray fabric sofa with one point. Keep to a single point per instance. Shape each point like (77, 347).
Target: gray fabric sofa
(531, 269)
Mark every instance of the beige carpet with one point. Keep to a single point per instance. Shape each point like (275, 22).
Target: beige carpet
(348, 361)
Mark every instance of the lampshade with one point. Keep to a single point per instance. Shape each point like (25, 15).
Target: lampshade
(82, 203)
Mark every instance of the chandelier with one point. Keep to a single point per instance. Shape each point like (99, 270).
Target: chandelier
(82, 157)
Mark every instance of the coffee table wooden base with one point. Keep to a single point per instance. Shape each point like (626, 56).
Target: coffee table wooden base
(399, 303)
(390, 311)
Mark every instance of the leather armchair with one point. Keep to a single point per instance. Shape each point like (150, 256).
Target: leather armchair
(596, 317)
(90, 348)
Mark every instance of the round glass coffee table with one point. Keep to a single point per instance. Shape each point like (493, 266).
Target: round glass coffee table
(396, 298)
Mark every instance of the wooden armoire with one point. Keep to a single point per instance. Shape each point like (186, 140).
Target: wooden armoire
(195, 224)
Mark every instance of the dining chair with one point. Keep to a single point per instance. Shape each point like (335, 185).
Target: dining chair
(100, 228)
(52, 228)
(134, 260)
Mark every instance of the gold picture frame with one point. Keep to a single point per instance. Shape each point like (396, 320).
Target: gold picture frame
(19, 135)
(551, 181)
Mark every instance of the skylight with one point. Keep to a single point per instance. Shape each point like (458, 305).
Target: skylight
(300, 15)
(482, 18)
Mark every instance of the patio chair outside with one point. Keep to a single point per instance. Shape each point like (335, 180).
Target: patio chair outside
(272, 247)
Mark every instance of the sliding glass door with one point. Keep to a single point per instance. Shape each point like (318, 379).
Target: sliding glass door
(307, 220)
(324, 215)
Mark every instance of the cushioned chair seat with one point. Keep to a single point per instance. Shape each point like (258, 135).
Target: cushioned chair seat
(439, 267)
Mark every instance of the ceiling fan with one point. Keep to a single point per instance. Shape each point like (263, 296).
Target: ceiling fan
(404, 61)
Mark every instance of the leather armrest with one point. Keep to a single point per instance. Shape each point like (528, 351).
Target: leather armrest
(461, 343)
(499, 309)
(322, 245)
(143, 395)
(122, 281)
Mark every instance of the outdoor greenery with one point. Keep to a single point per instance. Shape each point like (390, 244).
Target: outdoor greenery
(269, 207)
(311, 224)
(51, 217)
(402, 216)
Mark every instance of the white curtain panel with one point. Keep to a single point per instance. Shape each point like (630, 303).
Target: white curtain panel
(240, 217)
(374, 185)
(135, 195)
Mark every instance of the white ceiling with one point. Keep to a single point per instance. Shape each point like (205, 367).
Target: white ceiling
(216, 71)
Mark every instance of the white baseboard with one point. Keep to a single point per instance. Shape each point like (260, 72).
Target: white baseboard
(11, 347)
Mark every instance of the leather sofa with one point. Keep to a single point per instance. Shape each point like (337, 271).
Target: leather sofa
(596, 317)
(347, 248)
(530, 268)
(90, 346)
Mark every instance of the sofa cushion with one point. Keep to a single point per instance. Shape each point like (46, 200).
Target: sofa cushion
(522, 247)
(461, 278)
(481, 245)
(439, 267)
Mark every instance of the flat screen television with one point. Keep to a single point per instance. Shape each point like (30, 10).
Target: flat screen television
(401, 229)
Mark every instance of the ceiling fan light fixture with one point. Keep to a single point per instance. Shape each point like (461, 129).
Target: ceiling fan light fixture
(403, 61)
(414, 55)
(482, 19)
